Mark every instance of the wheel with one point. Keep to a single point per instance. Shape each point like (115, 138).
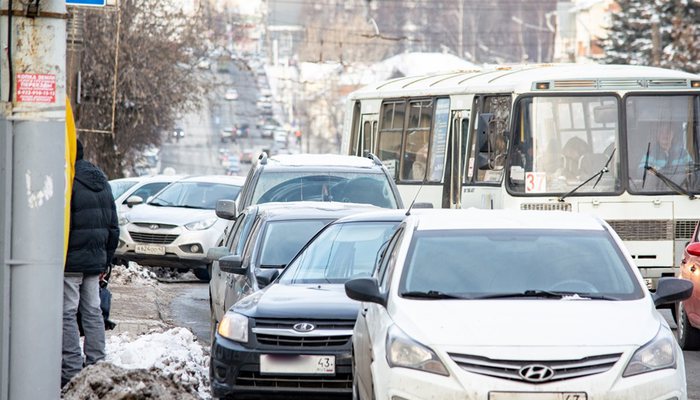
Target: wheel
(202, 274)
(688, 336)
(574, 285)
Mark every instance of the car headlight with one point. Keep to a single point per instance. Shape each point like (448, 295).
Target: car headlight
(659, 353)
(402, 351)
(123, 219)
(201, 225)
(234, 326)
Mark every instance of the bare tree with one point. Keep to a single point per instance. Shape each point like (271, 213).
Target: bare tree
(151, 62)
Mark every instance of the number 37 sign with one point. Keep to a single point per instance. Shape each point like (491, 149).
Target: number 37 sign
(535, 182)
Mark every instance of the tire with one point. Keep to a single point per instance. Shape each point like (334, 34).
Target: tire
(688, 336)
(202, 274)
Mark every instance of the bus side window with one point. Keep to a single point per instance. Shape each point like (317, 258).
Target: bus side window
(390, 135)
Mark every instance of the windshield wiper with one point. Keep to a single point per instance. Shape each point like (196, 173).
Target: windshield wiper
(598, 175)
(431, 294)
(273, 265)
(668, 182)
(547, 294)
(160, 203)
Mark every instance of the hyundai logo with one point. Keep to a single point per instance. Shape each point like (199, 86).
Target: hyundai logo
(536, 373)
(304, 327)
(154, 226)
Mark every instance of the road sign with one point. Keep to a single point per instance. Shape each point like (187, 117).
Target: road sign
(93, 3)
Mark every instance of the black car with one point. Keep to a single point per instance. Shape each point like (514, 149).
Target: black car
(294, 336)
(260, 243)
(319, 177)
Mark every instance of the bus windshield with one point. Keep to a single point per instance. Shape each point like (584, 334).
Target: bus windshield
(663, 135)
(560, 142)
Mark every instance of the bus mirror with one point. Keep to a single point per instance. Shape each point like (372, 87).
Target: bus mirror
(605, 114)
(483, 126)
(517, 174)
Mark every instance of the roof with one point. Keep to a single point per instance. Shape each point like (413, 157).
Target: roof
(320, 160)
(383, 215)
(226, 179)
(473, 218)
(309, 209)
(520, 78)
(150, 178)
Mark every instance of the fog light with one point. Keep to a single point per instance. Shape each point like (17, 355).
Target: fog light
(195, 248)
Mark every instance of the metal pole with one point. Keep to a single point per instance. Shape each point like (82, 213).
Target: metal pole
(33, 184)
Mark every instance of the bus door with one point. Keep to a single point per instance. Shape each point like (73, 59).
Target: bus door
(456, 156)
(368, 134)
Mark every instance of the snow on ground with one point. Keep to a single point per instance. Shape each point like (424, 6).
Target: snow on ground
(133, 274)
(174, 353)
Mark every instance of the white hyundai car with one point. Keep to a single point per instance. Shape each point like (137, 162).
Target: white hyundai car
(512, 305)
(176, 227)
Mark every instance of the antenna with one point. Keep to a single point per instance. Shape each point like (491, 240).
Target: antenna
(408, 212)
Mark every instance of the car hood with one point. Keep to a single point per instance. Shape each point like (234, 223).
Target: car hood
(528, 322)
(325, 301)
(146, 213)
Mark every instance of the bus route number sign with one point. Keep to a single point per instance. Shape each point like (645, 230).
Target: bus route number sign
(535, 182)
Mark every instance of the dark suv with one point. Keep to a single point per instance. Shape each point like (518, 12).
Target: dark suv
(260, 243)
(319, 177)
(293, 337)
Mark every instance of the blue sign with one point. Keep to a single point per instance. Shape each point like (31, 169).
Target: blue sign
(94, 3)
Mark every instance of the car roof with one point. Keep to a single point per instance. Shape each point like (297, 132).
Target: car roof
(150, 178)
(369, 216)
(227, 179)
(320, 160)
(445, 219)
(309, 209)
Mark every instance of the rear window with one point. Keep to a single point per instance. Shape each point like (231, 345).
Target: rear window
(346, 187)
(476, 263)
(282, 240)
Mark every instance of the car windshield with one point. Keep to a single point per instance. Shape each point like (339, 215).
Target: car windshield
(119, 187)
(347, 187)
(339, 253)
(282, 240)
(202, 195)
(476, 264)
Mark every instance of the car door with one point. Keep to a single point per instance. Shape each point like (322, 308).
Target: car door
(217, 284)
(365, 329)
(240, 285)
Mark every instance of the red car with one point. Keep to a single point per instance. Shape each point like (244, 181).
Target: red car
(688, 312)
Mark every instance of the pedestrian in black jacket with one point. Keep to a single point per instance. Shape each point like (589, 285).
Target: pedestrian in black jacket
(94, 235)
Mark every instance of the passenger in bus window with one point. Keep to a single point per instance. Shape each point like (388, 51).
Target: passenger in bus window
(572, 152)
(420, 164)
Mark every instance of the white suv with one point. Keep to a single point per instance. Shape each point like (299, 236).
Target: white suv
(496, 305)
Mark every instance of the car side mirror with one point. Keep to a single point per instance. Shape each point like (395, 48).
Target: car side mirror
(232, 264)
(266, 276)
(671, 290)
(364, 289)
(134, 201)
(226, 209)
(215, 253)
(693, 249)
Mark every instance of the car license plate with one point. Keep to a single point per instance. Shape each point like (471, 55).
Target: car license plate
(150, 249)
(296, 364)
(537, 396)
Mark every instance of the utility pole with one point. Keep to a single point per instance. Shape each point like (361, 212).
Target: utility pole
(655, 41)
(460, 39)
(33, 178)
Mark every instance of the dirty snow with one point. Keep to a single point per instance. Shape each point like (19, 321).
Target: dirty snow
(133, 274)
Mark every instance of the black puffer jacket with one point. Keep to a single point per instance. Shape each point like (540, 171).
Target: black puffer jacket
(94, 229)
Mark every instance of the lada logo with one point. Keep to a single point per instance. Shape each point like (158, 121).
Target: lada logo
(536, 373)
(154, 226)
(304, 327)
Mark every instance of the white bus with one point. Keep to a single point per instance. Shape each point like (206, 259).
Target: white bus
(617, 141)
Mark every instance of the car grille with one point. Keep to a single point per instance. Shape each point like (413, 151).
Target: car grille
(150, 225)
(510, 369)
(281, 333)
(152, 238)
(255, 379)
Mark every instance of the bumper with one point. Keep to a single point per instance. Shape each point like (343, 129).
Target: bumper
(407, 384)
(235, 370)
(182, 248)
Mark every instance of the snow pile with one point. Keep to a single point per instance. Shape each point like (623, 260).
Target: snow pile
(107, 381)
(175, 354)
(133, 274)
